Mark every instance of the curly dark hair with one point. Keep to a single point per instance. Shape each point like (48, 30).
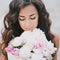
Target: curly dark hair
(11, 20)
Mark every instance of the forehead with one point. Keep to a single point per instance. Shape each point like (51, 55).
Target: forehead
(29, 9)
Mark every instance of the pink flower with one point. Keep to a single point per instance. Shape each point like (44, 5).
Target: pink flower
(38, 45)
(13, 51)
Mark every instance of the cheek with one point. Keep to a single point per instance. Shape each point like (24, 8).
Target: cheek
(35, 23)
(22, 24)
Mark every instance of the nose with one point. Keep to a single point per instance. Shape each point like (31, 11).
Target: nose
(28, 23)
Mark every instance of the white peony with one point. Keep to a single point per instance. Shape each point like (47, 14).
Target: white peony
(25, 51)
(37, 57)
(35, 41)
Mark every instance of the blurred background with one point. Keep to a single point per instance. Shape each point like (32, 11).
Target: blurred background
(52, 6)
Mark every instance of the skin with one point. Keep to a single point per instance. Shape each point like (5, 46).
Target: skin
(28, 18)
(56, 41)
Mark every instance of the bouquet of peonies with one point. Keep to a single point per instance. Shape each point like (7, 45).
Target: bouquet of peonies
(31, 45)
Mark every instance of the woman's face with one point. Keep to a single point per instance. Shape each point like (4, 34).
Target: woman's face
(28, 17)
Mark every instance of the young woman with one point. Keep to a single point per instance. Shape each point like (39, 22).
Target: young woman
(25, 15)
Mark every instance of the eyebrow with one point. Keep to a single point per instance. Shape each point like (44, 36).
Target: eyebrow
(32, 14)
(24, 16)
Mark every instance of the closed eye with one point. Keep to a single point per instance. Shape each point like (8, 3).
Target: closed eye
(32, 18)
(21, 19)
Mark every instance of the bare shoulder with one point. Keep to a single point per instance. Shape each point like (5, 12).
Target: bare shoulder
(56, 39)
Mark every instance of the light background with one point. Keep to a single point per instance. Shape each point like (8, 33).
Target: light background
(52, 6)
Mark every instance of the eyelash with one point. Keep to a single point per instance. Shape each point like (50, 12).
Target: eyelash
(33, 18)
(24, 19)
(21, 19)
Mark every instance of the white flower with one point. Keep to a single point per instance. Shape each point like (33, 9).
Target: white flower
(25, 51)
(37, 57)
(51, 47)
(35, 41)
(17, 41)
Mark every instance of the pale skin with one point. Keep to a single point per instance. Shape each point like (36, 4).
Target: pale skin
(28, 20)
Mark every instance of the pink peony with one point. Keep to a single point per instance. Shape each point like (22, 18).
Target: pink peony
(14, 51)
